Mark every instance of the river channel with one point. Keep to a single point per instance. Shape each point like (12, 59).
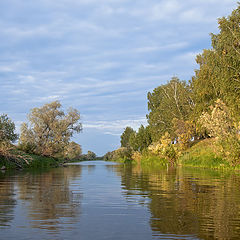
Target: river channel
(99, 200)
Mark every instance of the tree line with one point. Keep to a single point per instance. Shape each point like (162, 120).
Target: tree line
(207, 106)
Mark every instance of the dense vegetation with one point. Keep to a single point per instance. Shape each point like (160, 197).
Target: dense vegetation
(182, 114)
(44, 141)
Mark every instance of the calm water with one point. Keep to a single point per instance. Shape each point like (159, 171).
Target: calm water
(99, 200)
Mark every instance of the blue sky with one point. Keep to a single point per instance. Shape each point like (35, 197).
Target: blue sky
(99, 56)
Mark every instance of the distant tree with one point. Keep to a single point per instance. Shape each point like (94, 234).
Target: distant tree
(123, 154)
(50, 129)
(7, 129)
(108, 156)
(91, 155)
(126, 136)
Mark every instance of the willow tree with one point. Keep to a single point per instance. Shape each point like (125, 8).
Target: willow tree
(72, 151)
(50, 129)
(167, 102)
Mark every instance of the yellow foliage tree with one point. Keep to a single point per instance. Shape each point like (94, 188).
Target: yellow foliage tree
(50, 129)
(221, 125)
(72, 151)
(165, 149)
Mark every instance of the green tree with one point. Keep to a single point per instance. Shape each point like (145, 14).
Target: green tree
(133, 141)
(91, 155)
(7, 137)
(140, 140)
(126, 136)
(205, 83)
(7, 129)
(50, 129)
(166, 102)
(218, 76)
(143, 137)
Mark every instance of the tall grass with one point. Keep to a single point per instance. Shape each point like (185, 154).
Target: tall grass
(204, 155)
(44, 162)
(153, 160)
(37, 162)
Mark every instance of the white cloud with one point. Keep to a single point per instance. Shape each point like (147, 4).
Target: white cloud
(116, 127)
(163, 47)
(101, 56)
(46, 99)
(28, 79)
(165, 10)
(187, 57)
(11, 65)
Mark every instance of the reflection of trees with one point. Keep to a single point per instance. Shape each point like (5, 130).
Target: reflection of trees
(91, 168)
(49, 196)
(183, 201)
(7, 201)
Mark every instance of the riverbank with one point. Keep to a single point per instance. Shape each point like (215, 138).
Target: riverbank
(206, 154)
(203, 154)
(21, 160)
(17, 159)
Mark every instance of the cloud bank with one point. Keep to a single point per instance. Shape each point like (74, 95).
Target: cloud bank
(99, 56)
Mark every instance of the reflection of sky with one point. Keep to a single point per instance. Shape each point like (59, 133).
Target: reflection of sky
(102, 213)
(106, 213)
(101, 57)
(120, 202)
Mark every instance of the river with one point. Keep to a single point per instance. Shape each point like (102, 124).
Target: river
(99, 200)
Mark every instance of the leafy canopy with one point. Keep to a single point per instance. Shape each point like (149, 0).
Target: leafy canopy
(50, 129)
(166, 102)
(126, 136)
(218, 76)
(7, 129)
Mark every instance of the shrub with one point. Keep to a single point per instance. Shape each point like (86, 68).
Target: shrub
(221, 125)
(165, 149)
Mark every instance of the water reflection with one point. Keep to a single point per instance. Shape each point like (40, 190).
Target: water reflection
(187, 202)
(120, 202)
(7, 201)
(46, 197)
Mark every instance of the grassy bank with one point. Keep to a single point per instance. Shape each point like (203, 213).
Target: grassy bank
(204, 154)
(44, 162)
(146, 160)
(153, 160)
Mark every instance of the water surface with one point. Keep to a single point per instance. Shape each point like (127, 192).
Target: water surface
(102, 200)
